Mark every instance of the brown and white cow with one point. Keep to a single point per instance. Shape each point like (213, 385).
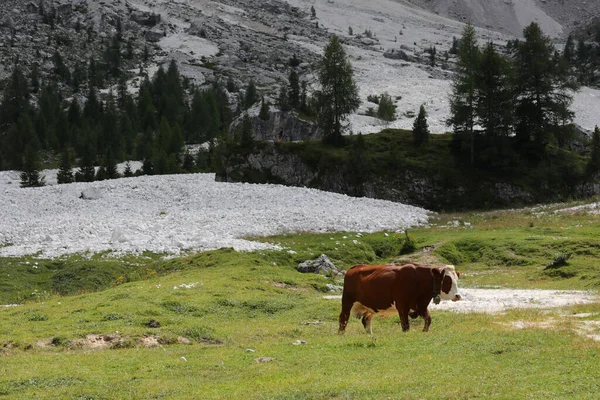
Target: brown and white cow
(405, 289)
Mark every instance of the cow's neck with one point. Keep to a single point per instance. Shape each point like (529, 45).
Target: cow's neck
(436, 291)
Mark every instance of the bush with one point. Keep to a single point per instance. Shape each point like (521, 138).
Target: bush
(373, 98)
(559, 260)
(408, 245)
(385, 246)
(387, 108)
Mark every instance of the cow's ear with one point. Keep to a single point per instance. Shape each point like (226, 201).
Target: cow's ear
(458, 273)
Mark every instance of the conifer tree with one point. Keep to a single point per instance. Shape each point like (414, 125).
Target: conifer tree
(65, 171)
(251, 96)
(19, 136)
(264, 110)
(177, 141)
(246, 133)
(34, 77)
(463, 95)
(15, 100)
(542, 85)
(30, 176)
(387, 109)
(108, 169)
(127, 173)
(87, 171)
(420, 127)
(282, 100)
(593, 166)
(569, 51)
(74, 113)
(92, 109)
(146, 111)
(338, 96)
(188, 162)
(495, 95)
(294, 90)
(432, 56)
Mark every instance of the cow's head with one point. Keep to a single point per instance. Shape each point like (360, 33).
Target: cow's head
(449, 289)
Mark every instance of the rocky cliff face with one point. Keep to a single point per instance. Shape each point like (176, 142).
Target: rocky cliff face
(280, 126)
(274, 164)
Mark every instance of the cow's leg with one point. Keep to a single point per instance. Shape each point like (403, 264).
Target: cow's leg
(403, 313)
(347, 304)
(427, 317)
(366, 321)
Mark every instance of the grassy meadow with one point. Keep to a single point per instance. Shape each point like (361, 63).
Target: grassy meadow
(224, 324)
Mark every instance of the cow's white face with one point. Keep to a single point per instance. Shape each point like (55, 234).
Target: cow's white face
(450, 284)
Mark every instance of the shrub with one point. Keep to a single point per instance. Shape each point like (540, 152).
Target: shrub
(387, 108)
(373, 98)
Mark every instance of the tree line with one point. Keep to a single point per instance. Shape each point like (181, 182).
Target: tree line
(151, 125)
(506, 107)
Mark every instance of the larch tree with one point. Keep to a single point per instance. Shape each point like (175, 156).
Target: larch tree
(543, 84)
(420, 127)
(338, 96)
(464, 88)
(495, 95)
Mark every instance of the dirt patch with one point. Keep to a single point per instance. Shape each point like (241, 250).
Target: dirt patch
(150, 341)
(94, 342)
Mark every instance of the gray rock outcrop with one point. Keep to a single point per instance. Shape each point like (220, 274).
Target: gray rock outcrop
(321, 265)
(395, 54)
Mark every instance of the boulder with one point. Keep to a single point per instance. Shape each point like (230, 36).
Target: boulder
(321, 265)
(91, 194)
(154, 35)
(397, 55)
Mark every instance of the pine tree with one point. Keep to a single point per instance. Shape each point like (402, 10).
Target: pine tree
(127, 173)
(87, 171)
(432, 54)
(338, 96)
(18, 137)
(177, 141)
(65, 171)
(294, 90)
(463, 96)
(188, 162)
(543, 83)
(246, 139)
(593, 166)
(109, 166)
(420, 127)
(146, 111)
(34, 77)
(15, 100)
(92, 109)
(387, 108)
(569, 51)
(495, 95)
(264, 110)
(282, 100)
(251, 96)
(30, 176)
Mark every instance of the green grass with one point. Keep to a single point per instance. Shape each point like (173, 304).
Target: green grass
(236, 307)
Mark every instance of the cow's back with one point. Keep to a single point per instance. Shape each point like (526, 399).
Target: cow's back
(380, 286)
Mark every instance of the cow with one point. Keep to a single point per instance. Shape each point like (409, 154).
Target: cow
(386, 289)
